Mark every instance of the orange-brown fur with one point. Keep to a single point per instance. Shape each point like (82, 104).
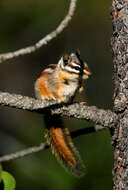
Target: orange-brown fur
(42, 86)
(58, 139)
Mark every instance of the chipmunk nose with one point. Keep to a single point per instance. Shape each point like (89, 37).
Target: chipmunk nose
(88, 73)
(87, 70)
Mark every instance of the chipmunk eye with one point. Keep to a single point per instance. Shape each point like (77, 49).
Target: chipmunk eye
(76, 68)
(65, 59)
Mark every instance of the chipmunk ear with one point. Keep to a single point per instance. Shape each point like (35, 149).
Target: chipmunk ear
(77, 53)
(65, 59)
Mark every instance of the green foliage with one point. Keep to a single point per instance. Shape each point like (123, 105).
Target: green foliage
(0, 173)
(7, 179)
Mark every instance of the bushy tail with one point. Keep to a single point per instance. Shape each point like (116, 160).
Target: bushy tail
(61, 144)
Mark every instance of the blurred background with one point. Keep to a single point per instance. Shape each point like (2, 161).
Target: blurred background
(23, 23)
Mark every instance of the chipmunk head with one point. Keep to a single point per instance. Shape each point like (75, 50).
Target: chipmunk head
(73, 64)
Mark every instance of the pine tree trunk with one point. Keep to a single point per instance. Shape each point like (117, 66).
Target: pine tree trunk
(120, 58)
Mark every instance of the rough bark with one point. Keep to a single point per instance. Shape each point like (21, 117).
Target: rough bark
(120, 56)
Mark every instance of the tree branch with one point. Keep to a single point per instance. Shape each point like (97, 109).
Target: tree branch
(44, 41)
(87, 130)
(105, 118)
(23, 153)
(43, 146)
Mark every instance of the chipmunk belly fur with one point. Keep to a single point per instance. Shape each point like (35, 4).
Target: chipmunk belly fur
(70, 90)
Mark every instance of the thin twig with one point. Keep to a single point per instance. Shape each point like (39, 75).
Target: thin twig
(87, 130)
(44, 41)
(43, 146)
(105, 118)
(23, 153)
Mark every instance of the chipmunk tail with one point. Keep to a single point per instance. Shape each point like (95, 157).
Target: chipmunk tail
(62, 147)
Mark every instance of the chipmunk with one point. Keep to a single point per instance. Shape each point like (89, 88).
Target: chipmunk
(61, 82)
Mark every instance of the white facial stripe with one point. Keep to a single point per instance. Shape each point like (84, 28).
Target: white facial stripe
(67, 67)
(70, 69)
(49, 70)
(60, 61)
(73, 54)
(75, 64)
